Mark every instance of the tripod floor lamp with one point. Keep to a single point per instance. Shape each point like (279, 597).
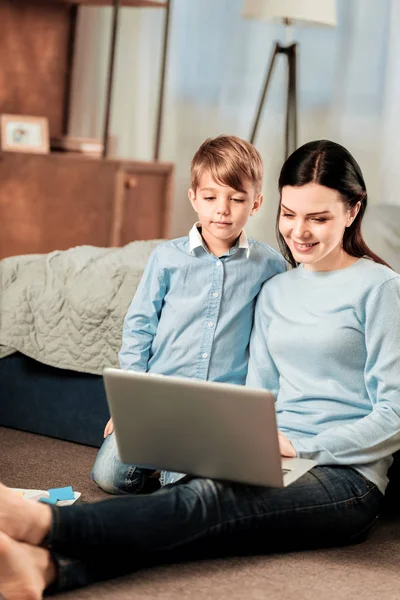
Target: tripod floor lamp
(288, 12)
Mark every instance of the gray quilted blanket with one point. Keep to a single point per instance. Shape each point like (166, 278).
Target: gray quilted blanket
(66, 308)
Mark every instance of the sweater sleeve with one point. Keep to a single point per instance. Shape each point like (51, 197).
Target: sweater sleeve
(262, 372)
(141, 321)
(377, 435)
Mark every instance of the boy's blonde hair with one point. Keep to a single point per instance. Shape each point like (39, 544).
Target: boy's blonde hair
(230, 161)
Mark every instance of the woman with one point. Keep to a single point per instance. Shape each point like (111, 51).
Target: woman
(326, 340)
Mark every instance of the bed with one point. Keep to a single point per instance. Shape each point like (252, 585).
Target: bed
(61, 317)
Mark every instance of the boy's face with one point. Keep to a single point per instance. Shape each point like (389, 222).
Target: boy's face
(223, 211)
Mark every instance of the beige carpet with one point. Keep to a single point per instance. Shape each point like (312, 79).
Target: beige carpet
(370, 571)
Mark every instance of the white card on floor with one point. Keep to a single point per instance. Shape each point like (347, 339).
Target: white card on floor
(36, 494)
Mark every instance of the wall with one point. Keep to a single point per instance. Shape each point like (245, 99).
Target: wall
(349, 89)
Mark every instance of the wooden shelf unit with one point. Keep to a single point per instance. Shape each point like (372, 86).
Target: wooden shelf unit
(50, 202)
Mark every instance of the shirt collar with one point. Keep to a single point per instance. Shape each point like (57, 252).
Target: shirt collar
(196, 241)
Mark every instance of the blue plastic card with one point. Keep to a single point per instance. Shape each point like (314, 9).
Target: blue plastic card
(46, 500)
(64, 493)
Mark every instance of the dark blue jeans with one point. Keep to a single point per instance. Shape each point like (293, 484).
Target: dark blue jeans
(197, 518)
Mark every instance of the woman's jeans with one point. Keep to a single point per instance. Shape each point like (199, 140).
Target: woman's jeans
(203, 518)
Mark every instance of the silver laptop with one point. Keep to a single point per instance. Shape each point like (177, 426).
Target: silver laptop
(214, 430)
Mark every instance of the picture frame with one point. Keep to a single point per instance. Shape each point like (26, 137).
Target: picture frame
(22, 133)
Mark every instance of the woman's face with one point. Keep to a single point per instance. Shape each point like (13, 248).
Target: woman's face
(312, 221)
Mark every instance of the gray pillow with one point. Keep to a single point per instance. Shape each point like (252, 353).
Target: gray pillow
(381, 231)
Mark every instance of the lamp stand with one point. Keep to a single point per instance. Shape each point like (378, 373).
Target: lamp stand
(290, 52)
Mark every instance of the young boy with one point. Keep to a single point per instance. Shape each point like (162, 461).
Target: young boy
(192, 313)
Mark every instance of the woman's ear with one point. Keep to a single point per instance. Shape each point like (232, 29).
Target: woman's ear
(353, 212)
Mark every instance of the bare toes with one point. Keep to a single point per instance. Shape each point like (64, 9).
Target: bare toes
(21, 576)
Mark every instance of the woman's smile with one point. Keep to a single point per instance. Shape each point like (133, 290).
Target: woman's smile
(302, 247)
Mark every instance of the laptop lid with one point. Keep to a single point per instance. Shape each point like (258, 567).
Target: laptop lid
(215, 430)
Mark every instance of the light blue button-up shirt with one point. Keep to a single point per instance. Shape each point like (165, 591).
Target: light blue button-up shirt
(192, 313)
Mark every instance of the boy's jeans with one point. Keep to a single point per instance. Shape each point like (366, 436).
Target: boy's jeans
(116, 477)
(202, 517)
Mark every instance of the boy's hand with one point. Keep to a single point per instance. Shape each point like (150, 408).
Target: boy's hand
(285, 446)
(109, 428)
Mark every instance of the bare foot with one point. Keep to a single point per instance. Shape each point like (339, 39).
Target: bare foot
(25, 571)
(24, 520)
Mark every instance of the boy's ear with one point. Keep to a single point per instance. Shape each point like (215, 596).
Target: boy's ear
(192, 198)
(257, 204)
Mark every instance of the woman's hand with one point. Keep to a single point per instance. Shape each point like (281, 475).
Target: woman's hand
(286, 447)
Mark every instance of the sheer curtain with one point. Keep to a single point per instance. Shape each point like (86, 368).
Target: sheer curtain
(349, 89)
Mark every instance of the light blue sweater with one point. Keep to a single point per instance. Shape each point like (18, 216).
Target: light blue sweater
(327, 344)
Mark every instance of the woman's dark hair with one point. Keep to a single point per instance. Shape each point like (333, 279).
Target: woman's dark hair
(331, 165)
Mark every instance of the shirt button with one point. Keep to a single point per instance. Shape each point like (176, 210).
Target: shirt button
(215, 294)
(204, 355)
(210, 324)
(219, 264)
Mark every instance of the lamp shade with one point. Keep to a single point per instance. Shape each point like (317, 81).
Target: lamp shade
(312, 12)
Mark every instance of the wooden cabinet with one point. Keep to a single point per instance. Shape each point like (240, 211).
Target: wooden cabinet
(56, 201)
